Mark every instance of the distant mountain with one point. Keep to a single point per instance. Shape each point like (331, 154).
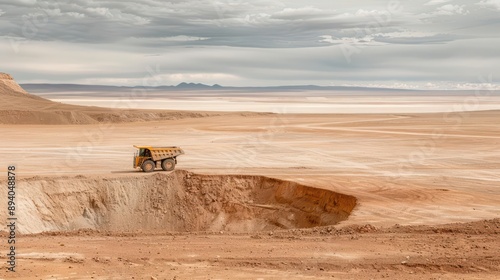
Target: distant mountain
(55, 91)
(79, 87)
(196, 86)
(70, 87)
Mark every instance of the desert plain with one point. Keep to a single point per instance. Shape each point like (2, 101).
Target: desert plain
(259, 194)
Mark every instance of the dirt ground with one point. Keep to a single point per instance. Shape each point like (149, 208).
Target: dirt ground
(256, 195)
(410, 174)
(457, 251)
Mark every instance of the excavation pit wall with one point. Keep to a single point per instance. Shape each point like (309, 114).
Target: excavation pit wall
(179, 202)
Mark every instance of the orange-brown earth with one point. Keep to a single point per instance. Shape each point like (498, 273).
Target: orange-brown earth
(256, 196)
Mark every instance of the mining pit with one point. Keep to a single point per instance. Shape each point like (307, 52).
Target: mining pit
(180, 201)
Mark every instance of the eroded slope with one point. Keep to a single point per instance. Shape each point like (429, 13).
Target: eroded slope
(180, 201)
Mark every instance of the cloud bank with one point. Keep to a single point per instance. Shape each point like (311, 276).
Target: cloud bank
(245, 43)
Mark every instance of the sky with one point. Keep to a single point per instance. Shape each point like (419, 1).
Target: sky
(428, 44)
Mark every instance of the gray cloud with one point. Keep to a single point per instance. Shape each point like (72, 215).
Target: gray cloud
(243, 43)
(494, 4)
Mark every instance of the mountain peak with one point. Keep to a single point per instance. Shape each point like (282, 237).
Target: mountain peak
(196, 85)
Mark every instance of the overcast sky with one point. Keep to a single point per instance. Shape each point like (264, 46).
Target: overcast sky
(422, 44)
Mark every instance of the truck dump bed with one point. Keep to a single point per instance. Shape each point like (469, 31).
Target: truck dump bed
(159, 153)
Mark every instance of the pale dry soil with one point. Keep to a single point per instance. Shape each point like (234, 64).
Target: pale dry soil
(416, 171)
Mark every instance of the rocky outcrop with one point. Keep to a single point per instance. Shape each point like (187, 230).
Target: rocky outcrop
(4, 76)
(8, 85)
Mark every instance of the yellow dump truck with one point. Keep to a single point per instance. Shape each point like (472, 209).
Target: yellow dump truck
(148, 158)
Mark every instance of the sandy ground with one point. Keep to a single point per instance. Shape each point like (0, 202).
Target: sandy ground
(256, 196)
(442, 252)
(306, 102)
(423, 170)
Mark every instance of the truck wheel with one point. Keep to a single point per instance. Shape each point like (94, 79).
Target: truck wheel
(168, 164)
(148, 166)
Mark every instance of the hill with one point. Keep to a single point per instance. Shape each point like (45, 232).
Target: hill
(20, 107)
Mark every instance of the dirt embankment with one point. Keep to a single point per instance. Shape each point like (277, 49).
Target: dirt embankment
(20, 107)
(180, 201)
